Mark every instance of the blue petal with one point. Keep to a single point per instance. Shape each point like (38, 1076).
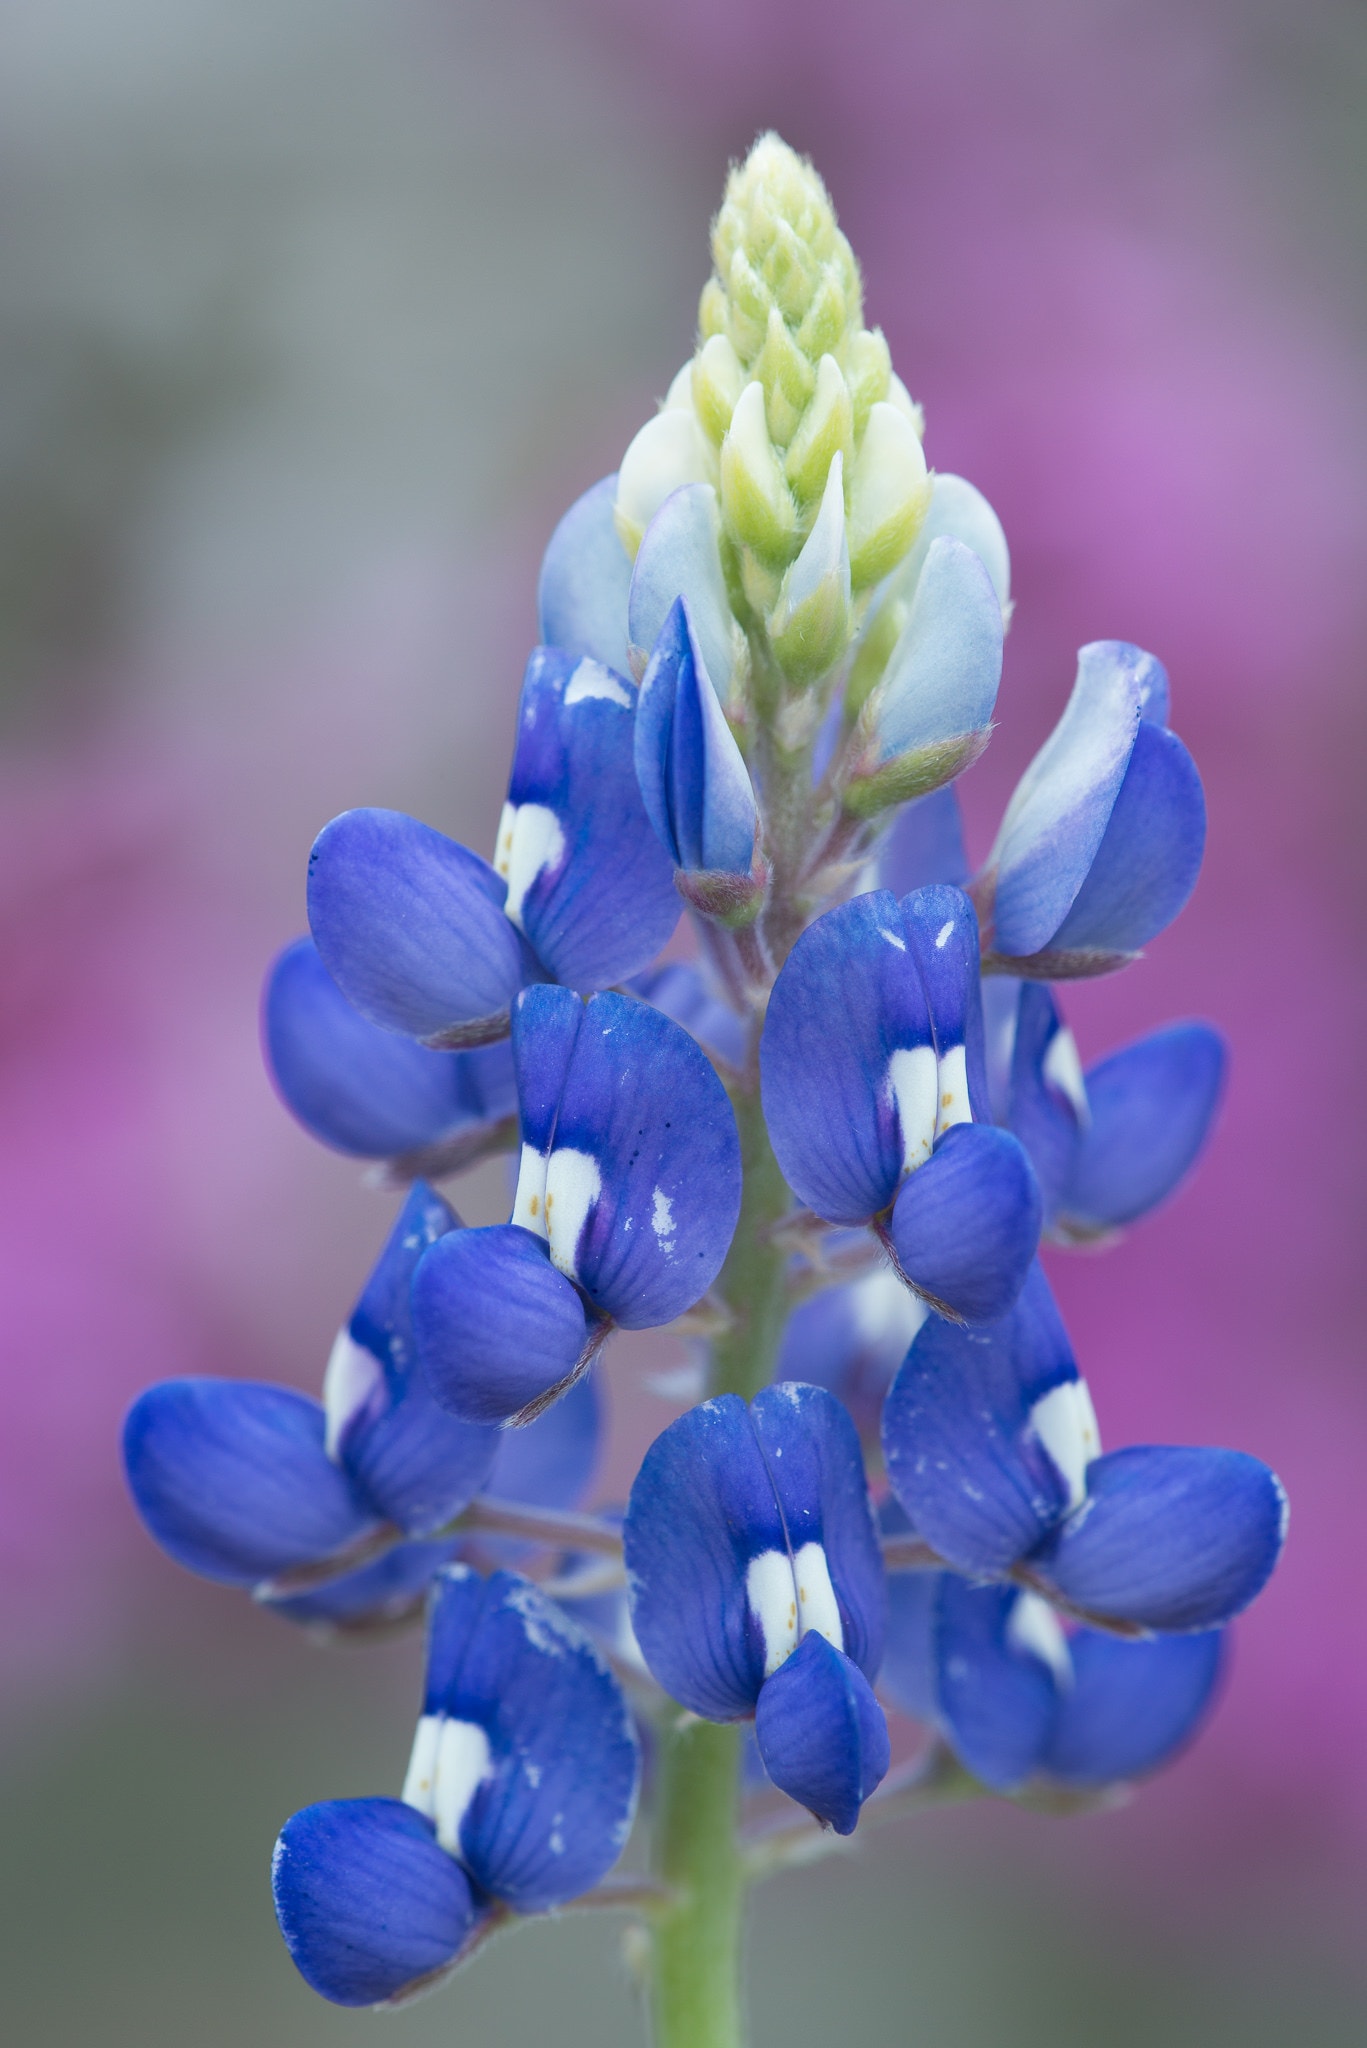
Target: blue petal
(997, 1700)
(693, 780)
(388, 1589)
(351, 1084)
(852, 1340)
(942, 927)
(588, 881)
(553, 1809)
(910, 1672)
(415, 1465)
(1152, 1105)
(958, 509)
(1168, 1538)
(1131, 1705)
(1150, 854)
(680, 556)
(681, 992)
(702, 1508)
(848, 1000)
(1055, 820)
(821, 1733)
(961, 1456)
(966, 1225)
(545, 1023)
(411, 927)
(231, 1478)
(367, 1902)
(551, 1462)
(496, 1325)
(942, 676)
(926, 844)
(812, 1450)
(1043, 1115)
(581, 594)
(646, 1166)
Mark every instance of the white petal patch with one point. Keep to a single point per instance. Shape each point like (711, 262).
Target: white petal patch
(952, 1106)
(817, 1612)
(462, 1762)
(591, 679)
(662, 1220)
(1035, 1628)
(1063, 1070)
(1065, 1423)
(573, 1185)
(772, 1593)
(887, 1315)
(352, 1377)
(943, 936)
(419, 1787)
(913, 1087)
(530, 840)
(892, 938)
(529, 1202)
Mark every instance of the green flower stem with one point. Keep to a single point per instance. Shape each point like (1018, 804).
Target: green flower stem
(752, 1282)
(696, 1995)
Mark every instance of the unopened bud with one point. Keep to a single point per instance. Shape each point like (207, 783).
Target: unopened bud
(868, 372)
(827, 431)
(809, 628)
(717, 382)
(889, 495)
(756, 502)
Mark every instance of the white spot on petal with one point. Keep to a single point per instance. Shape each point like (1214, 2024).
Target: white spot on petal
(573, 1185)
(913, 1086)
(942, 937)
(590, 680)
(1065, 1422)
(418, 1786)
(462, 1763)
(817, 1611)
(772, 1594)
(535, 842)
(892, 938)
(662, 1220)
(352, 1378)
(529, 1202)
(1063, 1070)
(952, 1105)
(1035, 1628)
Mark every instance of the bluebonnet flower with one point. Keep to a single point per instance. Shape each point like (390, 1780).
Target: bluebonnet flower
(1110, 1144)
(424, 937)
(1019, 1699)
(757, 1586)
(246, 1482)
(872, 1109)
(367, 1091)
(851, 1339)
(626, 1202)
(519, 1796)
(1101, 844)
(993, 1450)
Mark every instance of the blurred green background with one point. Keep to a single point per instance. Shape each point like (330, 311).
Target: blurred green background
(312, 317)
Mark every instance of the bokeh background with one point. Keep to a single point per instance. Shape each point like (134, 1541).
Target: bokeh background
(313, 315)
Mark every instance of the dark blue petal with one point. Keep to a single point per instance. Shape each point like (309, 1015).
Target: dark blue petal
(643, 1186)
(387, 1589)
(847, 1060)
(693, 780)
(817, 1468)
(996, 1697)
(926, 844)
(1055, 820)
(1047, 1102)
(961, 1455)
(411, 926)
(1168, 1538)
(966, 1225)
(821, 1733)
(702, 1508)
(581, 594)
(550, 1814)
(1131, 1705)
(231, 1478)
(551, 1462)
(1150, 854)
(680, 556)
(588, 881)
(413, 1464)
(496, 1325)
(910, 1673)
(681, 992)
(353, 1085)
(1152, 1105)
(367, 1902)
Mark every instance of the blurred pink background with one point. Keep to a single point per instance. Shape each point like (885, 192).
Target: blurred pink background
(1118, 253)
